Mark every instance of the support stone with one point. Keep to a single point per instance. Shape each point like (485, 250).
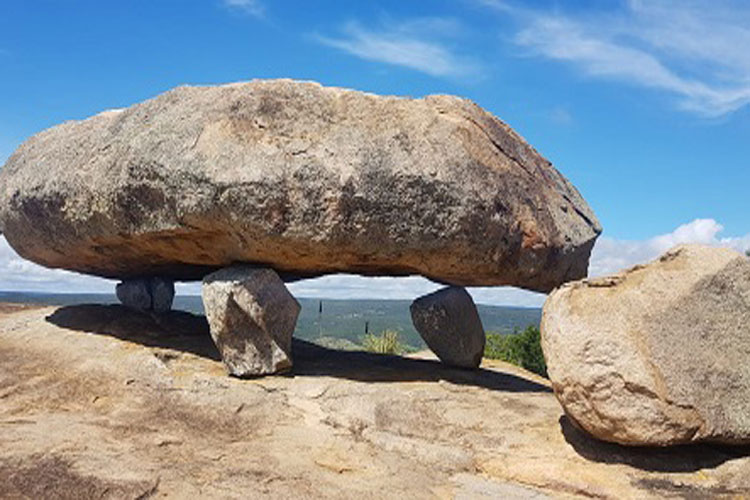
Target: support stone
(134, 294)
(162, 294)
(449, 323)
(252, 317)
(146, 294)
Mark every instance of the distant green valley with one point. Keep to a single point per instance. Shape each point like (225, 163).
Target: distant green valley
(342, 323)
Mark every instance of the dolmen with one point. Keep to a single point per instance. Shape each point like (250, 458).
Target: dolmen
(250, 185)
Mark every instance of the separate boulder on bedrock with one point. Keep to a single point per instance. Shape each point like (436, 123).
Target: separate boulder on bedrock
(449, 323)
(134, 294)
(252, 316)
(301, 178)
(146, 294)
(658, 354)
(162, 294)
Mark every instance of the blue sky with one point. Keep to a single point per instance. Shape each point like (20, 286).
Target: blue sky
(643, 105)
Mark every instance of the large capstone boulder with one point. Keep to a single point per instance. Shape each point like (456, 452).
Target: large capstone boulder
(449, 323)
(656, 355)
(251, 316)
(302, 178)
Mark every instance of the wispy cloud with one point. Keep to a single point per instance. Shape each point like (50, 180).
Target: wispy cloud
(695, 50)
(418, 44)
(347, 286)
(560, 116)
(17, 274)
(252, 7)
(500, 5)
(611, 255)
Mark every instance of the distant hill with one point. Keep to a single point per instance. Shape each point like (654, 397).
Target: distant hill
(344, 320)
(347, 319)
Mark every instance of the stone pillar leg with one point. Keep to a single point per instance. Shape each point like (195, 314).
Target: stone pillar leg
(252, 317)
(146, 294)
(449, 323)
(134, 294)
(162, 294)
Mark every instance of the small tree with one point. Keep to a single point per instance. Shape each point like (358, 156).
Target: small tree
(523, 349)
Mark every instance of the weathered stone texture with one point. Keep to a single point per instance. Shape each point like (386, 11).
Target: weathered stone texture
(146, 294)
(301, 178)
(134, 294)
(449, 323)
(252, 316)
(656, 355)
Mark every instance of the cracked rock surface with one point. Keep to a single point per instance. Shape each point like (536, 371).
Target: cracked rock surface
(658, 354)
(102, 402)
(305, 179)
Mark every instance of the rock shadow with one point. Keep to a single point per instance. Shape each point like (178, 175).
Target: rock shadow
(51, 476)
(178, 330)
(314, 360)
(183, 331)
(682, 458)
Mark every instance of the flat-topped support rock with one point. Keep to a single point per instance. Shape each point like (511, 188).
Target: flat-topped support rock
(252, 316)
(305, 179)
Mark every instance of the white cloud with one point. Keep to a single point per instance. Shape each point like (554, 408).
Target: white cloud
(414, 44)
(695, 50)
(611, 255)
(252, 7)
(17, 274)
(506, 296)
(347, 286)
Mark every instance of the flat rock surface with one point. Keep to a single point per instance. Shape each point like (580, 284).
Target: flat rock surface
(96, 401)
(305, 179)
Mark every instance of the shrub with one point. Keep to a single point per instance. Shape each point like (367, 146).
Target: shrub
(385, 343)
(523, 349)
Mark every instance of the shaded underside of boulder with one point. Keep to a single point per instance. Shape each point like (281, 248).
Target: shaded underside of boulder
(302, 178)
(656, 355)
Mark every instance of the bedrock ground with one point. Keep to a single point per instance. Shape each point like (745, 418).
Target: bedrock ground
(99, 402)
